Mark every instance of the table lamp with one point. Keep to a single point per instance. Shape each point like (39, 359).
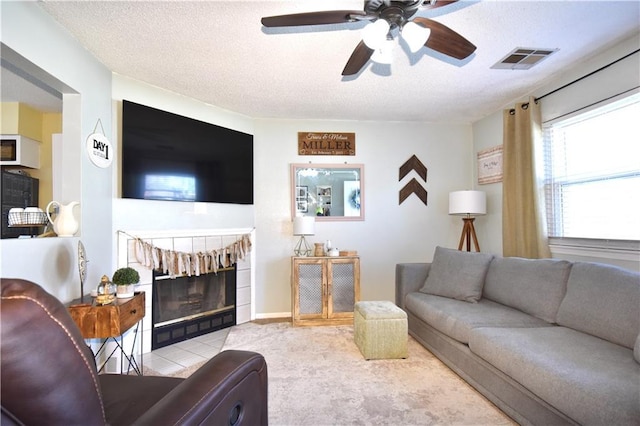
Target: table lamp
(303, 225)
(468, 204)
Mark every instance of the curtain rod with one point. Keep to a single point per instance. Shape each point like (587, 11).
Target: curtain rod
(585, 76)
(592, 104)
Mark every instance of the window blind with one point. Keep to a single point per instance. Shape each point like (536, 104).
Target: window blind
(592, 173)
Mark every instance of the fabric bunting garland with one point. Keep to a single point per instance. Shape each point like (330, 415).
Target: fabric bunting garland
(176, 263)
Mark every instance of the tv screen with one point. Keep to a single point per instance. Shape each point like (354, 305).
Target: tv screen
(166, 156)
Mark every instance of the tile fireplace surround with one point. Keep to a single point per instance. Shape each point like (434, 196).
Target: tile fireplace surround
(190, 241)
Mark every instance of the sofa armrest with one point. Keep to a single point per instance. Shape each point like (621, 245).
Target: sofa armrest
(231, 388)
(410, 277)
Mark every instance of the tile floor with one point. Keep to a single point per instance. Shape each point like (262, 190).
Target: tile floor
(175, 357)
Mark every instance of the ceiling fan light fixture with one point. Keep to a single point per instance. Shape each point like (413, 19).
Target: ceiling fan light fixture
(384, 53)
(415, 35)
(384, 19)
(374, 35)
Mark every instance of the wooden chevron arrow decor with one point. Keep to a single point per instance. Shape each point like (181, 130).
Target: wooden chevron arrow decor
(413, 187)
(413, 163)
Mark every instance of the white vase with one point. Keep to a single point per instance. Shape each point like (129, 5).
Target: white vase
(125, 291)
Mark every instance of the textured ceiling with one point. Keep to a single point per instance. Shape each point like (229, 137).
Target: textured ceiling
(219, 53)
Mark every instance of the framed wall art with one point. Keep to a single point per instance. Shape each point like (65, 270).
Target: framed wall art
(302, 192)
(490, 165)
(302, 199)
(302, 206)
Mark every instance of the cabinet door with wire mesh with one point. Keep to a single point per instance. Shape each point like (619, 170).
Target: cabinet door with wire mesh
(308, 285)
(343, 286)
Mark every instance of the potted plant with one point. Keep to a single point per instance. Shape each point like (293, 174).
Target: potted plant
(125, 280)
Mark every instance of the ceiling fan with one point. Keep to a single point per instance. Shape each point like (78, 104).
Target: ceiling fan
(386, 17)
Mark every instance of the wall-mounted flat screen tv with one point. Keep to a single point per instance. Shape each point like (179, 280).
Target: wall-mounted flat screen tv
(166, 156)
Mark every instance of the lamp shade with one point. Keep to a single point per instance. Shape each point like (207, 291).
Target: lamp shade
(304, 225)
(375, 34)
(468, 203)
(384, 53)
(415, 35)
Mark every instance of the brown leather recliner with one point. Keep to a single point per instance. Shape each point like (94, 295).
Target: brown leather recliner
(49, 376)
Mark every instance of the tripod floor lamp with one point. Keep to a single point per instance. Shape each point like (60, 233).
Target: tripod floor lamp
(468, 204)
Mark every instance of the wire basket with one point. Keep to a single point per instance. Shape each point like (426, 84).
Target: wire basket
(27, 218)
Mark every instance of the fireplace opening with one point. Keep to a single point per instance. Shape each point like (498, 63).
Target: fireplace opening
(188, 306)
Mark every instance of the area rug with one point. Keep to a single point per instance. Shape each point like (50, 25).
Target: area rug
(317, 376)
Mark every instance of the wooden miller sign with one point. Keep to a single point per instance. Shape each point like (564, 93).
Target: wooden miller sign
(319, 143)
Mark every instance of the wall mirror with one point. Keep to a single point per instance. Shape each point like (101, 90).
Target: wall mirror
(330, 192)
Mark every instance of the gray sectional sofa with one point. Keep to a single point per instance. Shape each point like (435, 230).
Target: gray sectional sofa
(547, 341)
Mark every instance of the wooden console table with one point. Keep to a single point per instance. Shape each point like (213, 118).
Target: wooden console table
(324, 289)
(110, 322)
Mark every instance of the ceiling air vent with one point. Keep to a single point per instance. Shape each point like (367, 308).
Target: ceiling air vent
(522, 58)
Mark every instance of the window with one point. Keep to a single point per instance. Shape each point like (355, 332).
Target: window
(592, 173)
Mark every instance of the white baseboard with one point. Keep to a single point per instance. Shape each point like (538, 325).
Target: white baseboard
(271, 315)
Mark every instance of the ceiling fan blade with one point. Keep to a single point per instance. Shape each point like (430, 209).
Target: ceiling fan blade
(312, 18)
(446, 41)
(358, 59)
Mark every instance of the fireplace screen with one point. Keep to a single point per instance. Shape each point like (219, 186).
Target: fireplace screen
(186, 307)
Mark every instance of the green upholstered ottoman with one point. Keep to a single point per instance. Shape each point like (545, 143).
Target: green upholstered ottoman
(380, 330)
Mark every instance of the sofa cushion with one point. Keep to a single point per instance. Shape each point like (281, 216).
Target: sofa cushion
(591, 380)
(534, 286)
(457, 274)
(636, 349)
(457, 318)
(604, 301)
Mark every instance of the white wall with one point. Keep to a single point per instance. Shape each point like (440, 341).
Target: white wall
(620, 77)
(487, 133)
(391, 232)
(86, 85)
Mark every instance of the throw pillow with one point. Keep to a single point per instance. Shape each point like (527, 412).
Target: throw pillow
(602, 300)
(534, 286)
(457, 274)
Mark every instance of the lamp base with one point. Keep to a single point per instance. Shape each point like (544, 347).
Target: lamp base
(468, 233)
(302, 248)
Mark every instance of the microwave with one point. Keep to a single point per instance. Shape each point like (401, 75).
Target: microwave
(18, 150)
